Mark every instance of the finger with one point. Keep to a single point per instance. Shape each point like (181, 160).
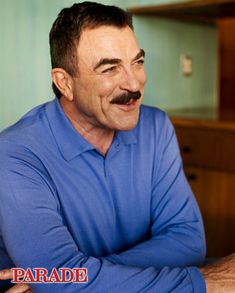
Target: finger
(19, 288)
(6, 274)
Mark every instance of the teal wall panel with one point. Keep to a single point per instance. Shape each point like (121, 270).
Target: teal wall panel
(164, 41)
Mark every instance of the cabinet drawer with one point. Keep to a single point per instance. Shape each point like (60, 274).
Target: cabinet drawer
(207, 147)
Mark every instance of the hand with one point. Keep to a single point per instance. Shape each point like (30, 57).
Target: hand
(220, 276)
(18, 288)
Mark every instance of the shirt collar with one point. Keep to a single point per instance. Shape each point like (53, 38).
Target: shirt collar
(69, 140)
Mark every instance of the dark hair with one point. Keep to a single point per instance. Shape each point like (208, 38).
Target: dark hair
(67, 28)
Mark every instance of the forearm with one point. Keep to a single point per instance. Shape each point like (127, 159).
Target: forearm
(220, 276)
(164, 250)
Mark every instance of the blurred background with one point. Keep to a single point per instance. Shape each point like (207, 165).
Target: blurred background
(190, 63)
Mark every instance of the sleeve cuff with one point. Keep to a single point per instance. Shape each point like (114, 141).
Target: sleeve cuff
(198, 282)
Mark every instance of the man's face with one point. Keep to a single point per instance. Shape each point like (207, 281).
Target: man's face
(111, 77)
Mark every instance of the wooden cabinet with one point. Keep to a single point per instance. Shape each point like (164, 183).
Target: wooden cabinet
(215, 193)
(210, 148)
(226, 34)
(208, 152)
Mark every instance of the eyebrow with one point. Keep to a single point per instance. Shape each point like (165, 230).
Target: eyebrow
(139, 55)
(111, 61)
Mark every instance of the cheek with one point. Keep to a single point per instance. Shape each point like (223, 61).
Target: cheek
(106, 88)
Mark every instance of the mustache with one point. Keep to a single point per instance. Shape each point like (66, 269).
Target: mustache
(125, 98)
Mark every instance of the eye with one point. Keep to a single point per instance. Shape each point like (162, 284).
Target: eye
(110, 69)
(140, 61)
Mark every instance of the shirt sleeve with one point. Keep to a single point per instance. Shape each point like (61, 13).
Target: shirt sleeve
(177, 233)
(35, 236)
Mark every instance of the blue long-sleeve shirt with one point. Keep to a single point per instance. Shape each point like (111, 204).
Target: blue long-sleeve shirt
(130, 217)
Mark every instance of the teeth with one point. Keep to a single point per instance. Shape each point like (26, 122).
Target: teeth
(130, 102)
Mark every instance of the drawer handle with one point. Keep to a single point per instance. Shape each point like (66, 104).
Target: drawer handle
(187, 149)
(191, 177)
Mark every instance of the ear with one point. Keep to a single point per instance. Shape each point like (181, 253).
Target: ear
(63, 81)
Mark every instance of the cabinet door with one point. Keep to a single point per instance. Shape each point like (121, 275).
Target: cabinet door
(215, 193)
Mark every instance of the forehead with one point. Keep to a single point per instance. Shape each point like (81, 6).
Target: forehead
(107, 42)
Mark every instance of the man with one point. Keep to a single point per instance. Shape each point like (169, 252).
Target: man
(93, 179)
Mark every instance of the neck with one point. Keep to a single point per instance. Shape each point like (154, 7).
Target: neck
(101, 138)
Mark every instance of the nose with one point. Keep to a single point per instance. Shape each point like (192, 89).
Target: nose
(130, 81)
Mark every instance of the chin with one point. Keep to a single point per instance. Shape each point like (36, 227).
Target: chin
(127, 126)
(122, 122)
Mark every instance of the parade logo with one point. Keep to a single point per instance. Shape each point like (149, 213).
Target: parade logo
(41, 275)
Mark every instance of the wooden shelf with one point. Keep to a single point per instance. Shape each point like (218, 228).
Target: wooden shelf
(211, 115)
(198, 10)
(206, 118)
